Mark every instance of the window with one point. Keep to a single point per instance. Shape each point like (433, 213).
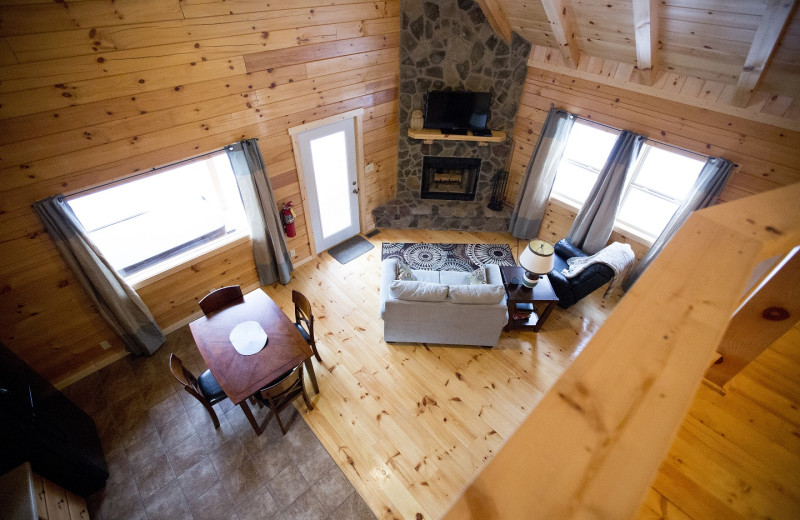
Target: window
(586, 152)
(142, 222)
(656, 184)
(659, 182)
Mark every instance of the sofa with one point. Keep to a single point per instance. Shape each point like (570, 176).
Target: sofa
(441, 307)
(570, 290)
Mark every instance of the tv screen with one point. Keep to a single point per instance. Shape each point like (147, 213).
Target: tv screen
(447, 110)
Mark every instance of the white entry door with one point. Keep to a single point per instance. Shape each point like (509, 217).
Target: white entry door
(331, 178)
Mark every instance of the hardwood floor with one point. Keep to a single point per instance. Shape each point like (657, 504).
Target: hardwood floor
(738, 455)
(411, 424)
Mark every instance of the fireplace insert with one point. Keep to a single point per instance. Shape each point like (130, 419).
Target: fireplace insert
(449, 178)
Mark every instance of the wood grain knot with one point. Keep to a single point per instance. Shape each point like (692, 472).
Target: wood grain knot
(775, 314)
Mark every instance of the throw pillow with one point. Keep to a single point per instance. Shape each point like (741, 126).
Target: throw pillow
(418, 291)
(476, 294)
(477, 277)
(404, 272)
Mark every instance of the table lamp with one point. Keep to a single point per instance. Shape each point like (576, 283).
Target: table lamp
(537, 259)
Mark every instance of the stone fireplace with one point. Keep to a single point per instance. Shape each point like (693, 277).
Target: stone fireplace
(449, 178)
(449, 45)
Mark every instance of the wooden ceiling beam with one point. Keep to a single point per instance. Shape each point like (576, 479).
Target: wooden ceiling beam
(497, 18)
(777, 14)
(563, 30)
(645, 23)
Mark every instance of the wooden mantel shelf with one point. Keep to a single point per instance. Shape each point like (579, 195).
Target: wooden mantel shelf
(429, 135)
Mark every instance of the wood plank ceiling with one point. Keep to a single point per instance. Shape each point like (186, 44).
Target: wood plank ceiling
(741, 52)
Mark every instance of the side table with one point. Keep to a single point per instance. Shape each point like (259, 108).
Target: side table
(524, 300)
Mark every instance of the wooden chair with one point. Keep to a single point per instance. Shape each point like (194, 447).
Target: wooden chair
(204, 388)
(281, 392)
(304, 320)
(219, 298)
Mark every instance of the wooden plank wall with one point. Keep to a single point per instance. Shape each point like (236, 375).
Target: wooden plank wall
(765, 154)
(94, 91)
(767, 106)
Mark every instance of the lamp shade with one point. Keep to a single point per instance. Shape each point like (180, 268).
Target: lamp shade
(537, 258)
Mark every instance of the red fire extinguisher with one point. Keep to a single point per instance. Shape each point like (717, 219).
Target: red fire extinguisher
(287, 215)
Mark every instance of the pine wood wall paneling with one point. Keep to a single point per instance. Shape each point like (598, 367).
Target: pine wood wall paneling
(321, 51)
(765, 154)
(308, 8)
(113, 62)
(62, 95)
(180, 299)
(7, 56)
(761, 175)
(38, 18)
(739, 140)
(117, 131)
(119, 110)
(95, 121)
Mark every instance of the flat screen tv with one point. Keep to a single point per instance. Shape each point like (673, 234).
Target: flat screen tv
(457, 111)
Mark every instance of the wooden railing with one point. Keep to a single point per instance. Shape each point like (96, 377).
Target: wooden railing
(593, 445)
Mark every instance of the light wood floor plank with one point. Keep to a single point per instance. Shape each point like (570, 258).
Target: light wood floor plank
(410, 424)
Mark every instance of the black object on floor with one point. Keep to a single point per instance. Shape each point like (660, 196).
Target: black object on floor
(350, 249)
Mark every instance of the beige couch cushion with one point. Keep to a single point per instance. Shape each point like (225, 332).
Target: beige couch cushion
(476, 294)
(418, 291)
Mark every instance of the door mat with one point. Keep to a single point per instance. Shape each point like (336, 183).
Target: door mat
(350, 249)
(448, 257)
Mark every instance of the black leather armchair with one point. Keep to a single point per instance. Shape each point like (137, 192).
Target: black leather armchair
(570, 290)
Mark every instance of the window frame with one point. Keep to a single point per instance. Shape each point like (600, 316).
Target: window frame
(183, 259)
(631, 184)
(594, 171)
(625, 228)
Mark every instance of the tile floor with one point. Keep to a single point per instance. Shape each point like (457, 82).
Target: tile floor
(167, 461)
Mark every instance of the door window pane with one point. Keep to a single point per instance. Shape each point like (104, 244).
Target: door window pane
(329, 155)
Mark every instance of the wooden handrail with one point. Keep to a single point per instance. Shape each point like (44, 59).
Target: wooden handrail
(593, 445)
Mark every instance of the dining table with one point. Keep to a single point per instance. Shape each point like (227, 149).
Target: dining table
(242, 375)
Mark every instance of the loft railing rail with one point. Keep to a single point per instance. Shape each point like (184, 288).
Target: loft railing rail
(593, 445)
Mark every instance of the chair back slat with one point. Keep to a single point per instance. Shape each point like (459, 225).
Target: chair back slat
(280, 394)
(220, 298)
(190, 384)
(182, 374)
(302, 307)
(304, 317)
(284, 386)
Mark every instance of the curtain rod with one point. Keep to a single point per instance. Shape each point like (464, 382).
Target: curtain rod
(147, 172)
(646, 138)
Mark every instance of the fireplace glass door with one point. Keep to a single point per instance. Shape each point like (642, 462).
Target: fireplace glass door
(449, 178)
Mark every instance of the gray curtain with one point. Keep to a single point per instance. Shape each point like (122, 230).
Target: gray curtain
(592, 227)
(266, 229)
(534, 192)
(116, 301)
(706, 190)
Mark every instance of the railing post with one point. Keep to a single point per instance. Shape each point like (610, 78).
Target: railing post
(592, 446)
(769, 312)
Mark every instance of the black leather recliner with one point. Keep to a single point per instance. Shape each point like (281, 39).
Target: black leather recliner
(570, 290)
